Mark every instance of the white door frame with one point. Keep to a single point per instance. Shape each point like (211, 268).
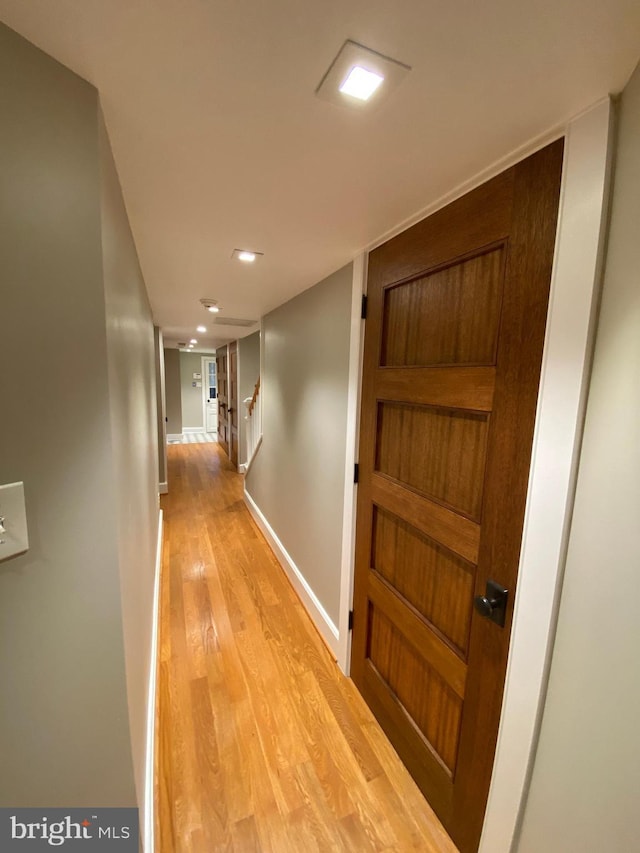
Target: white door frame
(575, 287)
(566, 368)
(356, 354)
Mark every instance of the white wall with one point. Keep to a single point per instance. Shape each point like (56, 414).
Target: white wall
(134, 436)
(297, 477)
(64, 725)
(585, 786)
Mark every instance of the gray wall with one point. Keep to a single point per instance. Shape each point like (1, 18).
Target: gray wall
(190, 363)
(64, 727)
(585, 787)
(248, 373)
(297, 477)
(134, 434)
(173, 393)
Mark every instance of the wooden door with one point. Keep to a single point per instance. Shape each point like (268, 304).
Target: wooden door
(453, 348)
(233, 403)
(223, 397)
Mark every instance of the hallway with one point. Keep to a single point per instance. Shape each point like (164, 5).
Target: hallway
(262, 744)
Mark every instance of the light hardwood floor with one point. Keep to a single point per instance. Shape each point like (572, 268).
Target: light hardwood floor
(262, 744)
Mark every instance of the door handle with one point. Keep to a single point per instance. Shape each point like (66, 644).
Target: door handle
(493, 604)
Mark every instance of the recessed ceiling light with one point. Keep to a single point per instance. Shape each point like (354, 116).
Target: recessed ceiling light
(361, 83)
(190, 346)
(355, 76)
(213, 308)
(201, 329)
(193, 341)
(246, 256)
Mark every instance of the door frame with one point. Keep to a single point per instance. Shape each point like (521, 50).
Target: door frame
(566, 366)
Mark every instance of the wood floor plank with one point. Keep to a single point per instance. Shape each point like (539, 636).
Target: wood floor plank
(262, 744)
(245, 836)
(215, 822)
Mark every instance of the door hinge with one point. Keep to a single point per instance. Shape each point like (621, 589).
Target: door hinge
(351, 620)
(363, 312)
(356, 473)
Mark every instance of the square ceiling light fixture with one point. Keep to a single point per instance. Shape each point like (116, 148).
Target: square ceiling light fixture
(360, 77)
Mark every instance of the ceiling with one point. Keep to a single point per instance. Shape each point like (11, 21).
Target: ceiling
(220, 142)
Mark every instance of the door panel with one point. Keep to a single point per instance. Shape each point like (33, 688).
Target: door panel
(430, 578)
(454, 475)
(427, 697)
(453, 347)
(448, 317)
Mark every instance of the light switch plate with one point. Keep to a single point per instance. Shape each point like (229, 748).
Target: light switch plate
(15, 539)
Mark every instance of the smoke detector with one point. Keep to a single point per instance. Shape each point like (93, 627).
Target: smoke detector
(210, 305)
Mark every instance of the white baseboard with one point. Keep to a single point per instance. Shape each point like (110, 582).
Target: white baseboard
(163, 488)
(148, 826)
(242, 468)
(307, 596)
(174, 436)
(192, 429)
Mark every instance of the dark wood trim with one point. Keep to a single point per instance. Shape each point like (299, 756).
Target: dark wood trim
(468, 388)
(453, 531)
(425, 765)
(418, 632)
